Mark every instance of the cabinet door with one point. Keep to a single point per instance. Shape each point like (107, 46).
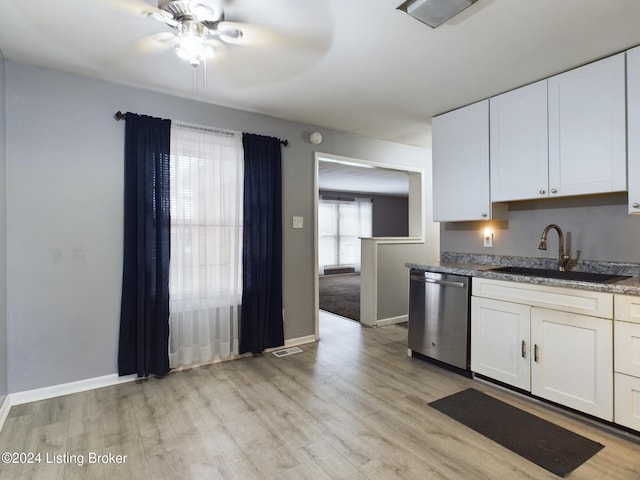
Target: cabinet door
(633, 127)
(627, 401)
(500, 346)
(519, 147)
(461, 164)
(572, 361)
(587, 137)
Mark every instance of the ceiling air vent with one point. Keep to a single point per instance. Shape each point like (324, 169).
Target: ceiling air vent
(434, 12)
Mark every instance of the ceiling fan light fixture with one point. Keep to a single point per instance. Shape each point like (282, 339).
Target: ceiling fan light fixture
(191, 50)
(434, 12)
(192, 43)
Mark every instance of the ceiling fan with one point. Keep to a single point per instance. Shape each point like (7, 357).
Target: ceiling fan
(251, 42)
(198, 26)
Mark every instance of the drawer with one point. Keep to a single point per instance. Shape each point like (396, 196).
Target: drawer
(626, 341)
(627, 308)
(627, 401)
(584, 302)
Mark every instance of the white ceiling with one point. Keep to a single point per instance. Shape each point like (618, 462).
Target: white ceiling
(358, 66)
(351, 178)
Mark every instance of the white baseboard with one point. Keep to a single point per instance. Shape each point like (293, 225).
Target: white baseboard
(392, 320)
(4, 410)
(93, 383)
(68, 388)
(294, 342)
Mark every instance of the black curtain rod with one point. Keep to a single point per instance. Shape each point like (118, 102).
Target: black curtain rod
(121, 116)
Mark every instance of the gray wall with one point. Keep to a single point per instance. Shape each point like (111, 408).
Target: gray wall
(390, 212)
(599, 225)
(64, 214)
(3, 235)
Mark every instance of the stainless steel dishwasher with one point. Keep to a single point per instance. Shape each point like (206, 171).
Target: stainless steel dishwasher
(439, 318)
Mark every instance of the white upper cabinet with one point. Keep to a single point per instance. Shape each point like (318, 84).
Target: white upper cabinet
(633, 127)
(519, 149)
(559, 137)
(461, 164)
(587, 135)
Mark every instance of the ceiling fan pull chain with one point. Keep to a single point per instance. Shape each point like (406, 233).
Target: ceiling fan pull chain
(195, 78)
(204, 72)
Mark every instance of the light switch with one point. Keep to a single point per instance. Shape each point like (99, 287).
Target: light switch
(298, 222)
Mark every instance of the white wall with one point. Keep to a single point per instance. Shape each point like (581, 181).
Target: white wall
(393, 278)
(64, 211)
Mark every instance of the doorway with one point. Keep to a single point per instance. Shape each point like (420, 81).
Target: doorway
(396, 189)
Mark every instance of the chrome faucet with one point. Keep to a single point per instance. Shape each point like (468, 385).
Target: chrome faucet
(563, 255)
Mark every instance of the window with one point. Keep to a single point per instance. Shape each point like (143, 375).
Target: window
(205, 273)
(206, 213)
(341, 224)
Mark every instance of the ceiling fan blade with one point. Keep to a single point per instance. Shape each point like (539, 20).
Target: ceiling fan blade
(209, 11)
(162, 16)
(134, 7)
(228, 32)
(149, 49)
(267, 37)
(273, 48)
(155, 43)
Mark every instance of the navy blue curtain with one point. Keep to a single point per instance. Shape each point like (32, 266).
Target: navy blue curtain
(144, 314)
(261, 324)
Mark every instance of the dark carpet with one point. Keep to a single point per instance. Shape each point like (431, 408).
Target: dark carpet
(551, 447)
(340, 294)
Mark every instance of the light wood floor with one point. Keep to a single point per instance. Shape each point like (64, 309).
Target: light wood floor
(353, 406)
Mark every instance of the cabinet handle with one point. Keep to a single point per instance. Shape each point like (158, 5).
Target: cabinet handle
(553, 190)
(524, 349)
(542, 192)
(484, 215)
(535, 353)
(635, 205)
(446, 283)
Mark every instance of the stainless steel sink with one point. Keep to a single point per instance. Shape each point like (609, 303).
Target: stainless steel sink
(570, 275)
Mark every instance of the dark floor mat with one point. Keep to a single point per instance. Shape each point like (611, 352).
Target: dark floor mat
(551, 447)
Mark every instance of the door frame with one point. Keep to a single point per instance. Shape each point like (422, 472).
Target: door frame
(417, 205)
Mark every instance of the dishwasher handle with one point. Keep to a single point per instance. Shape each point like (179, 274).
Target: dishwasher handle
(445, 283)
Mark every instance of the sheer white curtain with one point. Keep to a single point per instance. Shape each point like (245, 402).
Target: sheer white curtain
(327, 234)
(341, 224)
(205, 273)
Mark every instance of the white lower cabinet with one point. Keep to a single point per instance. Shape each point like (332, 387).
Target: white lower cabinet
(572, 361)
(500, 334)
(627, 391)
(627, 361)
(565, 357)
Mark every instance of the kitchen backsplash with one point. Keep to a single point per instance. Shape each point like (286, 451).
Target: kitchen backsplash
(598, 226)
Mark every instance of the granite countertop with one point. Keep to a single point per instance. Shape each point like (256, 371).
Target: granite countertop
(476, 265)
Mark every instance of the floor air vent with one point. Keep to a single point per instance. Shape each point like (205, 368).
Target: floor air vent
(286, 351)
